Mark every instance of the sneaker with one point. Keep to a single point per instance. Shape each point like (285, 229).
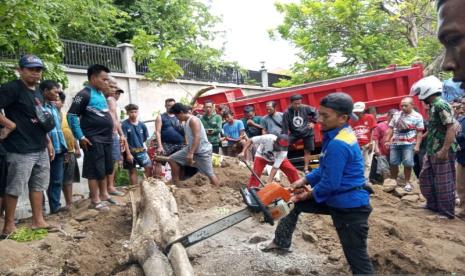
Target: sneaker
(408, 188)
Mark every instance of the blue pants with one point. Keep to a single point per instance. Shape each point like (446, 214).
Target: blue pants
(56, 182)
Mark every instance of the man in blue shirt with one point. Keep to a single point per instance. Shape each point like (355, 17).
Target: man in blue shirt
(90, 120)
(136, 154)
(337, 187)
(234, 132)
(50, 91)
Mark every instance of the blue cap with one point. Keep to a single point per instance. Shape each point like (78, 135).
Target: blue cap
(31, 61)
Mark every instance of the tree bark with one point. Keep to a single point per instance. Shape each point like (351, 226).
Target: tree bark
(434, 68)
(155, 225)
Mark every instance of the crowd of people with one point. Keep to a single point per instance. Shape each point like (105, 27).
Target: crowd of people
(40, 144)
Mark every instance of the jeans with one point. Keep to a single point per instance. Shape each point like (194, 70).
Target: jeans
(351, 226)
(402, 154)
(56, 182)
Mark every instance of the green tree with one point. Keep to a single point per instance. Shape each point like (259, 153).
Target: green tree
(339, 37)
(26, 28)
(165, 30)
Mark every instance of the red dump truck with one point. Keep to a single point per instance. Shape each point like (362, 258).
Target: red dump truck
(382, 89)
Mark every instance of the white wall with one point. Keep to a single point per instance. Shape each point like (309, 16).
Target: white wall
(148, 95)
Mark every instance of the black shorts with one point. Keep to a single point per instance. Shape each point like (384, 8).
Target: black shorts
(3, 174)
(98, 161)
(309, 141)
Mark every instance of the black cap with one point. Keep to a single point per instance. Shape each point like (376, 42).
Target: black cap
(296, 97)
(119, 90)
(339, 101)
(30, 61)
(248, 109)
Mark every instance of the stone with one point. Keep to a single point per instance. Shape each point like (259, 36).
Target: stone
(196, 191)
(309, 236)
(389, 188)
(293, 271)
(410, 198)
(86, 215)
(400, 192)
(190, 210)
(334, 257)
(257, 238)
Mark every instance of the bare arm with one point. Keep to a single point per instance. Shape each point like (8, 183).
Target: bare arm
(450, 137)
(4, 121)
(195, 126)
(247, 145)
(388, 138)
(158, 125)
(112, 106)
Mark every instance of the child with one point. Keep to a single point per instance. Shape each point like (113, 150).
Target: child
(136, 133)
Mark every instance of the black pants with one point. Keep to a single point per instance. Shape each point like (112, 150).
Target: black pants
(351, 226)
(216, 149)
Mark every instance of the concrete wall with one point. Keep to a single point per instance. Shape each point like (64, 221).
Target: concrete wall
(148, 95)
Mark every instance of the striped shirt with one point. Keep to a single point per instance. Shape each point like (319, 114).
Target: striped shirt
(406, 127)
(56, 134)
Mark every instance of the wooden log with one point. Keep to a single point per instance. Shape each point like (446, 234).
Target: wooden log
(156, 225)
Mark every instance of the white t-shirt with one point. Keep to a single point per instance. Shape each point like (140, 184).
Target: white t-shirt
(266, 151)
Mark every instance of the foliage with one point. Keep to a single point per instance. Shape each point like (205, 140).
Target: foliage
(339, 37)
(27, 28)
(25, 234)
(165, 30)
(96, 21)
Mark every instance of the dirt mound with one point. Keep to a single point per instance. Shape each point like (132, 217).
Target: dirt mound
(403, 237)
(91, 243)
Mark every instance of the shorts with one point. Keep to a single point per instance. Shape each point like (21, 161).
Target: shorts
(3, 174)
(29, 170)
(401, 154)
(202, 161)
(309, 141)
(98, 161)
(169, 149)
(141, 158)
(116, 148)
(71, 172)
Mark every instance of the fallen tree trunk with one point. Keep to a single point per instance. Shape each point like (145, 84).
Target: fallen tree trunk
(155, 225)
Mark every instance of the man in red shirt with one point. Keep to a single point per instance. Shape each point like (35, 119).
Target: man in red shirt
(363, 128)
(379, 147)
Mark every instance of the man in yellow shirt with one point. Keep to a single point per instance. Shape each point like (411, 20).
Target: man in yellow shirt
(71, 173)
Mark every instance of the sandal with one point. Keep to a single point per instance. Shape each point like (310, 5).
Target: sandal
(111, 201)
(50, 228)
(116, 193)
(101, 207)
(272, 247)
(408, 188)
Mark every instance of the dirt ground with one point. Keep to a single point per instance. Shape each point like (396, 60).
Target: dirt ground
(91, 243)
(403, 238)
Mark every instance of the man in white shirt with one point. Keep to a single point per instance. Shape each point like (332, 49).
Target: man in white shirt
(272, 150)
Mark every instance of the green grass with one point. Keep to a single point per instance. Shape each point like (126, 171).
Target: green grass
(122, 176)
(25, 234)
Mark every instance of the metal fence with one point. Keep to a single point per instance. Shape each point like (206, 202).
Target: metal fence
(81, 55)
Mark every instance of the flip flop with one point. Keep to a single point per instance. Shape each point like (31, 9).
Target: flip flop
(408, 188)
(111, 201)
(116, 193)
(101, 207)
(50, 228)
(275, 248)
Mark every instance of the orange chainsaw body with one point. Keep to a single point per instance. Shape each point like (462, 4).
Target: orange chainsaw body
(272, 192)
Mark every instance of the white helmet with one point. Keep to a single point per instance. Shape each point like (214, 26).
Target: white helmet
(426, 87)
(359, 107)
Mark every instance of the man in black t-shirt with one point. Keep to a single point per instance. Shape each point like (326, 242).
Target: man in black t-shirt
(298, 122)
(91, 123)
(27, 156)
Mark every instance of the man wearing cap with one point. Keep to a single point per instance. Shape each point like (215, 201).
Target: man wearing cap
(271, 150)
(27, 156)
(119, 139)
(298, 122)
(336, 188)
(363, 126)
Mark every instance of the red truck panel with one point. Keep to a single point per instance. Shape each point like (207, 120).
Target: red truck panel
(383, 89)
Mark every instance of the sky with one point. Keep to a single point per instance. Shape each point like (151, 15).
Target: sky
(246, 23)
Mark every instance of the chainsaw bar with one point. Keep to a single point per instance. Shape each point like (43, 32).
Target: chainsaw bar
(211, 229)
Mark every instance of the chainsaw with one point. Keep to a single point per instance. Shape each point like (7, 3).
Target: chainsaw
(271, 200)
